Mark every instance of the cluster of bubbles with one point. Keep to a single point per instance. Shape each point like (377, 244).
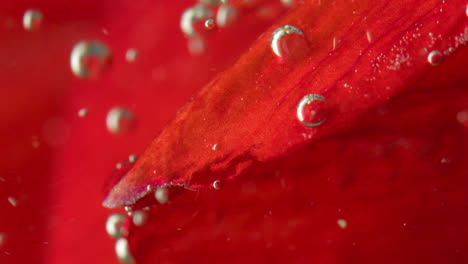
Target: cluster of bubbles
(117, 227)
(312, 109)
(204, 16)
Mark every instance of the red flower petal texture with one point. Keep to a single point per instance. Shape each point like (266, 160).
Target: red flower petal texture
(248, 113)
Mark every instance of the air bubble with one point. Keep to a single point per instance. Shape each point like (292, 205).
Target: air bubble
(312, 110)
(210, 24)
(434, 57)
(369, 36)
(217, 185)
(226, 16)
(139, 218)
(288, 42)
(122, 250)
(128, 210)
(196, 45)
(119, 120)
(114, 225)
(83, 112)
(13, 201)
(89, 59)
(32, 19)
(35, 143)
(191, 17)
(335, 43)
(287, 3)
(462, 117)
(3, 238)
(131, 55)
(132, 158)
(342, 223)
(162, 195)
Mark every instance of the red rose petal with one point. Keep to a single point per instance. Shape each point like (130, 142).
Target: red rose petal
(390, 188)
(249, 111)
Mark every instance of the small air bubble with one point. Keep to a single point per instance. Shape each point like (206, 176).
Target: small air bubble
(35, 143)
(312, 110)
(287, 3)
(217, 185)
(3, 238)
(128, 210)
(132, 158)
(335, 43)
(114, 225)
(434, 57)
(119, 166)
(445, 160)
(89, 59)
(119, 120)
(369, 36)
(196, 45)
(288, 42)
(462, 117)
(139, 218)
(122, 250)
(32, 19)
(162, 195)
(131, 55)
(342, 223)
(215, 146)
(210, 24)
(12, 201)
(83, 112)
